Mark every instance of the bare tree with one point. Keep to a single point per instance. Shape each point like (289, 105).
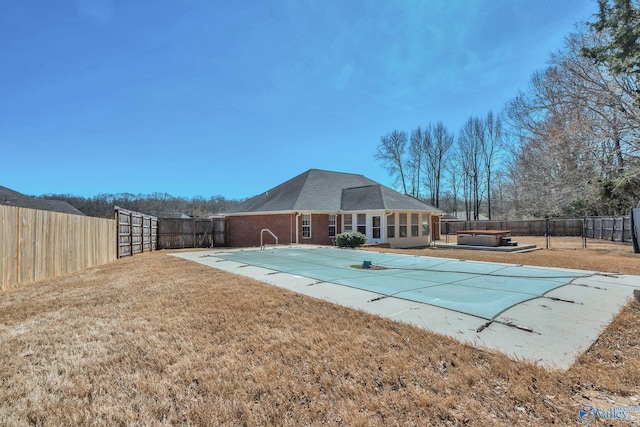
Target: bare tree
(428, 149)
(453, 175)
(470, 142)
(414, 162)
(437, 140)
(489, 147)
(578, 129)
(391, 152)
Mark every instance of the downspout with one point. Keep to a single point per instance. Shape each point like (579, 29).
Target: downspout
(297, 230)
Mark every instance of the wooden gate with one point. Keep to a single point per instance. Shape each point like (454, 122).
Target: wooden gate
(137, 232)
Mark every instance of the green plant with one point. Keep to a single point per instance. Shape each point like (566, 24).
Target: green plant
(351, 240)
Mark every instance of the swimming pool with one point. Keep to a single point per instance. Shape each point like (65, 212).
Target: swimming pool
(476, 288)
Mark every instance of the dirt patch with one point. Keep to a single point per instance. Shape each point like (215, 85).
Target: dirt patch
(154, 340)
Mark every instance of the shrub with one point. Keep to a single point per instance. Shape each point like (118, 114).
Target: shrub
(350, 240)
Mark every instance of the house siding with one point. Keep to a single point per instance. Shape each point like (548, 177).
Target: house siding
(244, 230)
(408, 241)
(319, 230)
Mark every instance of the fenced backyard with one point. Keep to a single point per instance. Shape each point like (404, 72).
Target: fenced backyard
(37, 244)
(615, 229)
(40, 244)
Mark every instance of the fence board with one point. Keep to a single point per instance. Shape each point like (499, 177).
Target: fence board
(35, 244)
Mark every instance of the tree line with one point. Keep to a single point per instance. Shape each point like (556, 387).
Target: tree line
(157, 204)
(446, 168)
(567, 145)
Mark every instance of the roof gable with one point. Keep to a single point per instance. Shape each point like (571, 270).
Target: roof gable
(379, 197)
(367, 197)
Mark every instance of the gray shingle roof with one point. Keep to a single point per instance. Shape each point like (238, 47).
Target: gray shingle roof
(379, 197)
(319, 190)
(9, 197)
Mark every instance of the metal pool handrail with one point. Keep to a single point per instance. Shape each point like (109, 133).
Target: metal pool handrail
(262, 234)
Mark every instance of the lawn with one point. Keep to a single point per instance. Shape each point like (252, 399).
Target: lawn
(155, 340)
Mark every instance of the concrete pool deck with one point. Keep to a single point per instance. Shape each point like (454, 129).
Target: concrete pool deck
(550, 329)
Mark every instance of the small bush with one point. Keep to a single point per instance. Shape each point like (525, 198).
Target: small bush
(351, 240)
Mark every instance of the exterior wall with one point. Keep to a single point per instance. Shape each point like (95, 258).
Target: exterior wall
(319, 230)
(368, 223)
(244, 230)
(410, 241)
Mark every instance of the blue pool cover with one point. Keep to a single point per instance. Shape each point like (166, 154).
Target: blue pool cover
(477, 288)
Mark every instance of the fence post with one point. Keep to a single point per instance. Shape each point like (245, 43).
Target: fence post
(130, 215)
(446, 228)
(547, 230)
(584, 232)
(613, 228)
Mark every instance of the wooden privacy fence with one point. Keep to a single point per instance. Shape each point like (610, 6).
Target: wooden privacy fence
(535, 227)
(617, 229)
(36, 244)
(137, 232)
(192, 233)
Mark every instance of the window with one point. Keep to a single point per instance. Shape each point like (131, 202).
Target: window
(391, 226)
(375, 227)
(348, 223)
(332, 226)
(306, 226)
(362, 223)
(403, 225)
(414, 225)
(426, 229)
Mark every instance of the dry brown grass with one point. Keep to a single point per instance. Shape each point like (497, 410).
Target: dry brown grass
(155, 340)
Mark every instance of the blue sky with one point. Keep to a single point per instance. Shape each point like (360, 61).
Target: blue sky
(205, 98)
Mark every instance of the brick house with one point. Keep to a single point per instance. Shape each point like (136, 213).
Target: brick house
(315, 206)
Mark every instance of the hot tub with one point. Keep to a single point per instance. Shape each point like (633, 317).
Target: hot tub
(484, 237)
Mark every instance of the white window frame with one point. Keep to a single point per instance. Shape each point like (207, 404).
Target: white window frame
(375, 228)
(391, 226)
(347, 223)
(361, 223)
(333, 222)
(415, 226)
(402, 225)
(306, 226)
(426, 225)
